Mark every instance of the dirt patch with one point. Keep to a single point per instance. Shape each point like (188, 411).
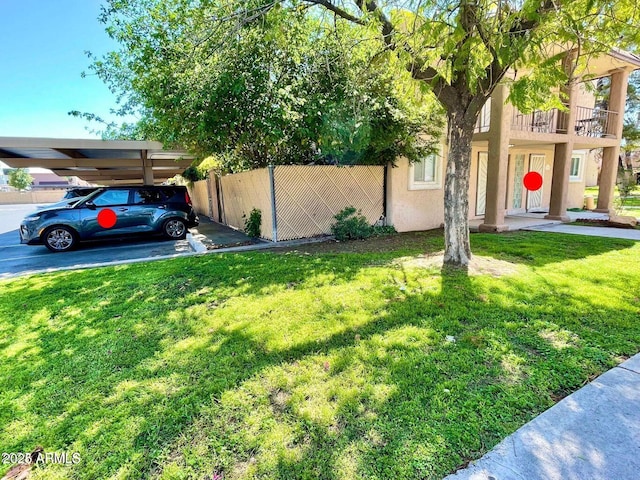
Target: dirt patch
(478, 266)
(278, 400)
(419, 249)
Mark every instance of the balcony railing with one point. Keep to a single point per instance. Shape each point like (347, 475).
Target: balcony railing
(590, 122)
(551, 121)
(595, 122)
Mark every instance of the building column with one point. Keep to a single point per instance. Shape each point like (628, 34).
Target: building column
(560, 182)
(498, 161)
(564, 151)
(609, 169)
(147, 169)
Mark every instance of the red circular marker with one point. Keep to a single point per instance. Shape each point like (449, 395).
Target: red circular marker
(107, 218)
(532, 181)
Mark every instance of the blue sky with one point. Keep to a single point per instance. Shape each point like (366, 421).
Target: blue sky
(42, 45)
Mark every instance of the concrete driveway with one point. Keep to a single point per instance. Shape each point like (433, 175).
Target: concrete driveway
(20, 259)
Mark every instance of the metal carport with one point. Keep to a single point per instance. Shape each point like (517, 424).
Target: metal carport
(105, 162)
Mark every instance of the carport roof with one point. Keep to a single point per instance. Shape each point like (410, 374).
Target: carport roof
(106, 162)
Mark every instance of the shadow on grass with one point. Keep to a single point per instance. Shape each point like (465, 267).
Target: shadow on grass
(454, 400)
(531, 248)
(153, 367)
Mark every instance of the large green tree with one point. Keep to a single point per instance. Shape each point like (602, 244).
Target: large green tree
(460, 50)
(464, 48)
(274, 87)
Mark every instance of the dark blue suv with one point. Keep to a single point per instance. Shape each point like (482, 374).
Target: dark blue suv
(112, 212)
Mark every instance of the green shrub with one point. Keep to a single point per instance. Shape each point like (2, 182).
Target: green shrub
(351, 225)
(626, 183)
(382, 230)
(252, 224)
(191, 174)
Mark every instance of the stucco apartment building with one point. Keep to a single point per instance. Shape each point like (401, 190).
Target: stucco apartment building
(561, 146)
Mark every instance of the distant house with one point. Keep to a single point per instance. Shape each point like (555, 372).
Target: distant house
(44, 178)
(560, 146)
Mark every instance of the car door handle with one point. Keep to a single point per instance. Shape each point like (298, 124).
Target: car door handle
(123, 209)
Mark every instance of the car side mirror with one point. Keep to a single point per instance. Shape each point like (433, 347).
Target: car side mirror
(90, 205)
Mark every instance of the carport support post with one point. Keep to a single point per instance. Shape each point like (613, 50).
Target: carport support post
(147, 169)
(274, 217)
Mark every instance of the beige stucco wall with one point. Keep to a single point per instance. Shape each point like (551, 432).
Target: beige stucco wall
(241, 193)
(586, 94)
(412, 210)
(588, 176)
(39, 196)
(575, 196)
(592, 168)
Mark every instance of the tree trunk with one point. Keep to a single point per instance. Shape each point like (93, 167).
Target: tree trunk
(457, 251)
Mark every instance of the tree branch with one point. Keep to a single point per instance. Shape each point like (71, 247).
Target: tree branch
(387, 27)
(496, 70)
(520, 28)
(338, 11)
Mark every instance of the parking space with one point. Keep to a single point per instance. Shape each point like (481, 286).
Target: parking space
(215, 235)
(20, 259)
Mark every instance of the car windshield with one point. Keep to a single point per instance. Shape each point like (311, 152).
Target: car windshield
(91, 195)
(79, 192)
(64, 203)
(71, 202)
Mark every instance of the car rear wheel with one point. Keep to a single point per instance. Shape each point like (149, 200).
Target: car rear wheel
(175, 229)
(60, 239)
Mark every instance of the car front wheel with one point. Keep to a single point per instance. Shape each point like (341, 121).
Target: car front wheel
(175, 229)
(60, 239)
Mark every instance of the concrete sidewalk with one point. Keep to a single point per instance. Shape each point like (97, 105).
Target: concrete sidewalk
(212, 235)
(593, 434)
(608, 232)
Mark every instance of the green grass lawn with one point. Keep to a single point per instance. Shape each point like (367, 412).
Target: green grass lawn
(631, 204)
(310, 363)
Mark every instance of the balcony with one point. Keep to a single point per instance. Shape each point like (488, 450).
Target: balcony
(595, 122)
(551, 121)
(590, 122)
